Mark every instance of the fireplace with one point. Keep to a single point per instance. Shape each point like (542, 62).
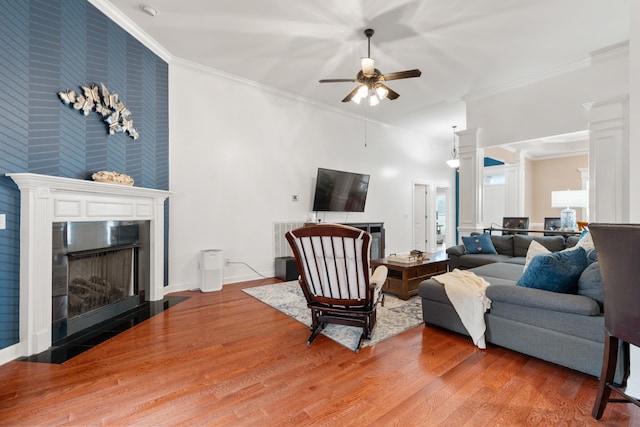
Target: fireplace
(48, 200)
(98, 271)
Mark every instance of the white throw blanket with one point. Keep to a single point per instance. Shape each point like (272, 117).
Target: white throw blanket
(467, 293)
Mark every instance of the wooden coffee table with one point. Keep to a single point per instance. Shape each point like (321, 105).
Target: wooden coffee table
(403, 278)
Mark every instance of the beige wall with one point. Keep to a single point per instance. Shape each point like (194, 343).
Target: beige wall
(554, 174)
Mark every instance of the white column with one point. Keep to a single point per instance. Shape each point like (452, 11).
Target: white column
(471, 183)
(584, 179)
(610, 198)
(515, 187)
(609, 160)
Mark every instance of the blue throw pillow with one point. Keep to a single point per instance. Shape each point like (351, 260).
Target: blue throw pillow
(479, 244)
(556, 272)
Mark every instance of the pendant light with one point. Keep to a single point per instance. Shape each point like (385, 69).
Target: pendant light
(454, 161)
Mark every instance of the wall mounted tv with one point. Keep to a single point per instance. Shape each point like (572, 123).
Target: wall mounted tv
(340, 191)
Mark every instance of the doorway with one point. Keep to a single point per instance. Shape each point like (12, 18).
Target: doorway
(431, 217)
(442, 228)
(421, 217)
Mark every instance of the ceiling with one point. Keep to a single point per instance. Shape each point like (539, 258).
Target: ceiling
(462, 47)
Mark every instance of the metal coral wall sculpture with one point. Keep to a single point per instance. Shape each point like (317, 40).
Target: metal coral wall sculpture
(105, 103)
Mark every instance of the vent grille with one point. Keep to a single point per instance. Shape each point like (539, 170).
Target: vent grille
(280, 245)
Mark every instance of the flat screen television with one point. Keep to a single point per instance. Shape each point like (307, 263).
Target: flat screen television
(340, 191)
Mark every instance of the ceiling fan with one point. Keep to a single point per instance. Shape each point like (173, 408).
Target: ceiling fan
(372, 81)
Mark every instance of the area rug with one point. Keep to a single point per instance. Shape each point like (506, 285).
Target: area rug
(396, 316)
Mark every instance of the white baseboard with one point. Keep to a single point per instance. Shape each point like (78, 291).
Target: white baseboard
(10, 353)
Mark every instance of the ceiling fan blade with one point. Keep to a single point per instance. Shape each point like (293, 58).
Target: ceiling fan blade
(338, 80)
(368, 67)
(391, 94)
(351, 94)
(402, 75)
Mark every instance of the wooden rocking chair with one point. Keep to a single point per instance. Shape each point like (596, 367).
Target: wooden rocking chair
(333, 263)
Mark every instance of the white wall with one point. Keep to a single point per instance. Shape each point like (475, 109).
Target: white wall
(238, 152)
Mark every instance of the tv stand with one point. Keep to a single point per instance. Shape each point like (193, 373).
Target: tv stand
(376, 229)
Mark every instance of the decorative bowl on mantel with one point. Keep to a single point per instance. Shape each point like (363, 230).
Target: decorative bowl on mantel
(112, 178)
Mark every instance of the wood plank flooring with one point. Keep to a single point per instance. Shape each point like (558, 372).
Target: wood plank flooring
(225, 358)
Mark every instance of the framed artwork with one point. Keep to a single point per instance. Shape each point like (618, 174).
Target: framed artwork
(519, 222)
(552, 223)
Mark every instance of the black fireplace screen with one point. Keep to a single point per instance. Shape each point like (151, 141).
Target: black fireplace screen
(99, 270)
(99, 279)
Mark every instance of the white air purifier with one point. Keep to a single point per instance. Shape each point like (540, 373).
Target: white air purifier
(211, 263)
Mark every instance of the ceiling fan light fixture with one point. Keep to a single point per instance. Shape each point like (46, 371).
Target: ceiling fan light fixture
(371, 81)
(454, 161)
(363, 91)
(368, 68)
(381, 91)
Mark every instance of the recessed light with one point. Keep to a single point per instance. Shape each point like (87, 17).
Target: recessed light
(149, 10)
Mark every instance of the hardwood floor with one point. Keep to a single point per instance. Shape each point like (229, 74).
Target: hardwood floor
(226, 358)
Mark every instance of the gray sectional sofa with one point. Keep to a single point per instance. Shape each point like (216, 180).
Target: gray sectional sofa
(511, 249)
(566, 329)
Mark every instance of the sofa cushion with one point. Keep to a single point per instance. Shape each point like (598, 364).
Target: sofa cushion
(457, 250)
(503, 244)
(541, 299)
(503, 270)
(535, 248)
(587, 325)
(590, 284)
(571, 241)
(479, 244)
(585, 242)
(475, 260)
(521, 243)
(557, 271)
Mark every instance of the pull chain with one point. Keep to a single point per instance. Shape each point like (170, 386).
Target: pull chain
(365, 125)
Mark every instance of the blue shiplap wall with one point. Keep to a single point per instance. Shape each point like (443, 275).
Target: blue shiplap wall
(51, 45)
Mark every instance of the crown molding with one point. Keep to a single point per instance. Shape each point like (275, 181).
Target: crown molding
(279, 92)
(608, 53)
(597, 56)
(132, 28)
(519, 83)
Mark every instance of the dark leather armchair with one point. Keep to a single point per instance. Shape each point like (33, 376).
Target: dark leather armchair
(618, 249)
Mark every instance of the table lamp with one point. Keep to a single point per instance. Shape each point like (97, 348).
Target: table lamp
(568, 200)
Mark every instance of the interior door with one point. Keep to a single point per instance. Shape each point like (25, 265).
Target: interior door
(420, 217)
(442, 228)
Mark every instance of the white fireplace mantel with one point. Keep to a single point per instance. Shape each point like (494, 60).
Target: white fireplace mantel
(47, 199)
